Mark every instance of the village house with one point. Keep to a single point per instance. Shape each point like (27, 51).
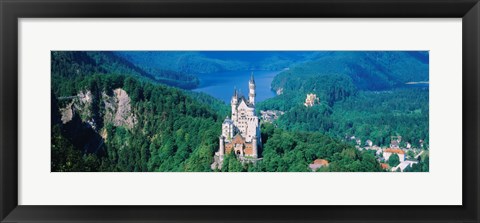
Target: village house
(395, 142)
(369, 143)
(384, 166)
(389, 151)
(271, 115)
(317, 164)
(409, 146)
(375, 147)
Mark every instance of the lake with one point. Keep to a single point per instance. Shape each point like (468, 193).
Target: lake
(221, 85)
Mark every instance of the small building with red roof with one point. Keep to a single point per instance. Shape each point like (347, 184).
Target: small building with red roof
(389, 151)
(317, 164)
(384, 166)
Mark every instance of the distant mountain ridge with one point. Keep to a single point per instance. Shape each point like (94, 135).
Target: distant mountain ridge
(195, 62)
(76, 64)
(370, 70)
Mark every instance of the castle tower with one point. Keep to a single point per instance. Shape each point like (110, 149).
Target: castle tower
(227, 129)
(234, 103)
(251, 87)
(221, 151)
(255, 147)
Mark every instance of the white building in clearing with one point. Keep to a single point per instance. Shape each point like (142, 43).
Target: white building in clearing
(310, 100)
(369, 143)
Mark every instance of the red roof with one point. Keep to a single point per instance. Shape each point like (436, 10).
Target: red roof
(320, 162)
(384, 165)
(398, 151)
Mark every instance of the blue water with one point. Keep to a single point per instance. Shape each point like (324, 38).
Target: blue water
(221, 85)
(418, 85)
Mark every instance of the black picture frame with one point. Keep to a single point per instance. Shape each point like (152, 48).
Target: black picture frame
(11, 11)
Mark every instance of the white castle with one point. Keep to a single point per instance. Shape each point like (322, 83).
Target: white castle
(241, 133)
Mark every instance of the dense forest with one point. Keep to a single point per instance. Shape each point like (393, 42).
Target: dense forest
(292, 151)
(362, 94)
(173, 134)
(122, 111)
(372, 115)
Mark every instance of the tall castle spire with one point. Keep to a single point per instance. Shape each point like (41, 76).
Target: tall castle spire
(235, 93)
(251, 88)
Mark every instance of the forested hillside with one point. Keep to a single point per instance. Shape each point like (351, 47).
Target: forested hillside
(368, 115)
(360, 94)
(374, 70)
(171, 131)
(67, 65)
(288, 151)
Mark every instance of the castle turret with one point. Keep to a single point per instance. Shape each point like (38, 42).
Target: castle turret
(255, 147)
(251, 88)
(234, 103)
(227, 129)
(221, 151)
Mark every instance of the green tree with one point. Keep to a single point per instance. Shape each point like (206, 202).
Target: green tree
(393, 160)
(410, 154)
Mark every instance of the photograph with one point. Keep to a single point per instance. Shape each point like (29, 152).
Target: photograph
(240, 111)
(162, 111)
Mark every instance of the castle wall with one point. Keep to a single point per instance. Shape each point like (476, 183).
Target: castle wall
(227, 130)
(222, 146)
(246, 122)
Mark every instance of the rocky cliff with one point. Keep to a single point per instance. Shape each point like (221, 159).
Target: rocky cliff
(117, 109)
(83, 120)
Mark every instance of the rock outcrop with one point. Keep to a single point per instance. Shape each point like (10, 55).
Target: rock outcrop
(80, 105)
(279, 91)
(83, 122)
(67, 113)
(118, 109)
